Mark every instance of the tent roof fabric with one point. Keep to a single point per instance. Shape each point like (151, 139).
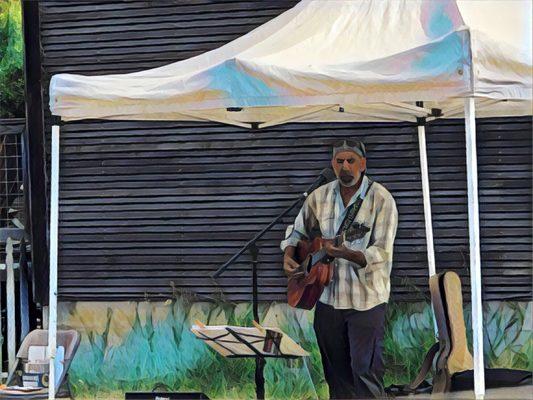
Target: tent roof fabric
(332, 61)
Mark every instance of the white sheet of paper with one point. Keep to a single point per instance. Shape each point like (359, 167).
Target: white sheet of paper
(231, 345)
(37, 353)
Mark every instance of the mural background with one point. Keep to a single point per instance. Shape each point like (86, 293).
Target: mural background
(137, 346)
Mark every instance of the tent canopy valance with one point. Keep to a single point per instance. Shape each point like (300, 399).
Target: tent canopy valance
(332, 61)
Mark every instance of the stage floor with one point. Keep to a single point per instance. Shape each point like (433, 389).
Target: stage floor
(514, 393)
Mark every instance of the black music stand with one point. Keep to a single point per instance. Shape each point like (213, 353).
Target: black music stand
(246, 342)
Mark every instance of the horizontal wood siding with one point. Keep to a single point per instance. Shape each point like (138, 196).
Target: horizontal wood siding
(504, 173)
(148, 209)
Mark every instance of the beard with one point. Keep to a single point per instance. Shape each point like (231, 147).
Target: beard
(347, 180)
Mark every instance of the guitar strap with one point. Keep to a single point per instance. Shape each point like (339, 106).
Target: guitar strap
(354, 209)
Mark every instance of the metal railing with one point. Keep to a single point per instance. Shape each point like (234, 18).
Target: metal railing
(13, 255)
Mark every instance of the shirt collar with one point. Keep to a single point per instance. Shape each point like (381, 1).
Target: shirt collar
(364, 185)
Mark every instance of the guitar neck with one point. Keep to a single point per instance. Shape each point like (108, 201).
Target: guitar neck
(317, 256)
(320, 254)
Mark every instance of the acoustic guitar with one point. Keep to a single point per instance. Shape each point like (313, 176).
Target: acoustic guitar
(306, 285)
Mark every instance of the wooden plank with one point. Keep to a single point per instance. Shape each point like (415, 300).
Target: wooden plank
(215, 9)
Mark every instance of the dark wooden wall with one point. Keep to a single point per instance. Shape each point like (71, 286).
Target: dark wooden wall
(148, 209)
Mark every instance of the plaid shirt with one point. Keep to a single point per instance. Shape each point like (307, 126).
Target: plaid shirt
(352, 286)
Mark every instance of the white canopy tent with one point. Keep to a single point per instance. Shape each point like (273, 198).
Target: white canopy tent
(329, 61)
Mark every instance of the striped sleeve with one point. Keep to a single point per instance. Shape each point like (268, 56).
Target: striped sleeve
(304, 223)
(379, 253)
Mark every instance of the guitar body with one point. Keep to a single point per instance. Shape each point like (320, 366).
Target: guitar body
(315, 267)
(305, 289)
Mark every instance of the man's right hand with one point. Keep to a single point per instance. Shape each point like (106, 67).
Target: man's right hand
(290, 266)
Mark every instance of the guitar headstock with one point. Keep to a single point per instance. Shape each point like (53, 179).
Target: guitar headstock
(354, 232)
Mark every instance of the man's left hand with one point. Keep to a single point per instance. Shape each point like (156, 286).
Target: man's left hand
(342, 251)
(334, 251)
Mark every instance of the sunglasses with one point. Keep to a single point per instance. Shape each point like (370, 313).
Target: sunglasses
(351, 143)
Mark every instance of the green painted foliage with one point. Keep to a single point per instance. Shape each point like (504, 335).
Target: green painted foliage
(11, 60)
(139, 346)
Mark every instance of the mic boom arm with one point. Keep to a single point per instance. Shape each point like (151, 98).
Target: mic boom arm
(326, 175)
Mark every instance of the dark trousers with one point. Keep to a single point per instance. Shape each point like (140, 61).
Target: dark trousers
(351, 346)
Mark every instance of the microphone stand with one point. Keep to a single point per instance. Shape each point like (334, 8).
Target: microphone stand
(258, 236)
(254, 251)
(325, 176)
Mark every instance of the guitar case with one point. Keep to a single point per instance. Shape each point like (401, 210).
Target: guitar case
(453, 361)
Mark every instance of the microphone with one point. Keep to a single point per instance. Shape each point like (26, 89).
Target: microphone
(326, 175)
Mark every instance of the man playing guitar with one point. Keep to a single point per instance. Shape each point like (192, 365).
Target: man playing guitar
(350, 314)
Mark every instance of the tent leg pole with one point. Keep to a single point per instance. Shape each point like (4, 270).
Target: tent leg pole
(54, 221)
(475, 254)
(10, 306)
(424, 171)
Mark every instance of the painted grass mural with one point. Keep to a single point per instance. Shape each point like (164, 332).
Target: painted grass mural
(128, 346)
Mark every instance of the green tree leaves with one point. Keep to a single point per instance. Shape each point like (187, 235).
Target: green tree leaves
(11, 60)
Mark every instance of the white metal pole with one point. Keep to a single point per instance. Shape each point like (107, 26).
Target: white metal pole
(424, 171)
(54, 221)
(475, 253)
(427, 203)
(10, 303)
(2, 341)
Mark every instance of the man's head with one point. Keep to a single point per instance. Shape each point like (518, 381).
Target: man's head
(349, 161)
